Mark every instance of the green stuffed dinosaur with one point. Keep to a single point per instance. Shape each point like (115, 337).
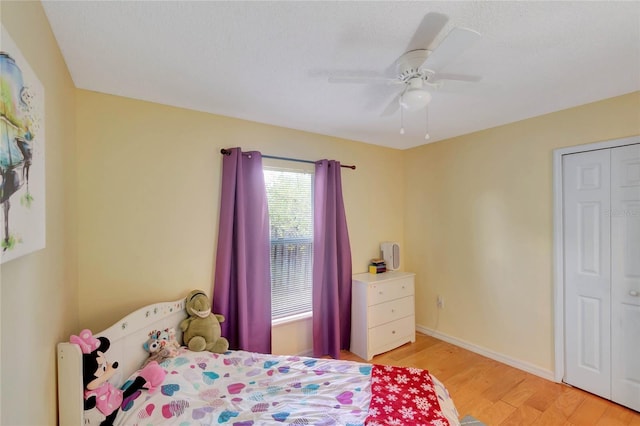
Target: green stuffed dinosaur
(201, 329)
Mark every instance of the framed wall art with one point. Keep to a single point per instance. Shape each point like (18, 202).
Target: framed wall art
(22, 178)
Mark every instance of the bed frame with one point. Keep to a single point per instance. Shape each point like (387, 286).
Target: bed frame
(127, 337)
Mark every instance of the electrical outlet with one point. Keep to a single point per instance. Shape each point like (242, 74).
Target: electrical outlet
(440, 302)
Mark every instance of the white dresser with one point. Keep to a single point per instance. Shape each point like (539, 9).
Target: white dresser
(382, 312)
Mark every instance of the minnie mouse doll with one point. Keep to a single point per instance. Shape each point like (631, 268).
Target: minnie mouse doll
(96, 372)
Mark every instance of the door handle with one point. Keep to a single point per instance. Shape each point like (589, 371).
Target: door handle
(634, 293)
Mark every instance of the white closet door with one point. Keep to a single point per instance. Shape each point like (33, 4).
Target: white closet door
(625, 275)
(586, 190)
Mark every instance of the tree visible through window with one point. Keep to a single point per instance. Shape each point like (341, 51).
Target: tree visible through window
(289, 194)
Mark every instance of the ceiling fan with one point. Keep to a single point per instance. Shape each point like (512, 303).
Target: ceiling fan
(417, 71)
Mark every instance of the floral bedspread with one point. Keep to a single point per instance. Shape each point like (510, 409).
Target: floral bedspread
(243, 388)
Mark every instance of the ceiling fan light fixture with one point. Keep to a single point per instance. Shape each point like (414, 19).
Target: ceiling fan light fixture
(415, 97)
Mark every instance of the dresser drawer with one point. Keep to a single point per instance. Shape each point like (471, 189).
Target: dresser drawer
(390, 311)
(384, 335)
(385, 291)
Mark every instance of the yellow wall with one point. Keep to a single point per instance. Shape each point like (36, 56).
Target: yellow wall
(293, 338)
(479, 226)
(149, 190)
(39, 291)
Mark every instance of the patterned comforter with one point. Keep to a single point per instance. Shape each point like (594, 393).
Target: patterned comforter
(243, 388)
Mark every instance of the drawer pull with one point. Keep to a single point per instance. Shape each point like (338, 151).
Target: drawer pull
(393, 311)
(393, 332)
(634, 293)
(380, 292)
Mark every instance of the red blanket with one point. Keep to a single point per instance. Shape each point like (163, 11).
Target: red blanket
(403, 396)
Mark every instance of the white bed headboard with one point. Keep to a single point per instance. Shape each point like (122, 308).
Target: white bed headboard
(127, 337)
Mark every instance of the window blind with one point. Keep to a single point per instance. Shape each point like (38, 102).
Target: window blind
(289, 196)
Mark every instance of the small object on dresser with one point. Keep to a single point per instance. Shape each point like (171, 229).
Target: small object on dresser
(377, 268)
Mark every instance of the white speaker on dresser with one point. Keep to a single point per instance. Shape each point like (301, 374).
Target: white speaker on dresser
(391, 255)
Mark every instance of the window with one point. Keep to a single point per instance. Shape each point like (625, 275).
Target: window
(289, 195)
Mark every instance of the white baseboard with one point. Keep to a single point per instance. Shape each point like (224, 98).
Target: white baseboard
(307, 353)
(516, 363)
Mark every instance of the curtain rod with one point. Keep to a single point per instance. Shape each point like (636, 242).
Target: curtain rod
(227, 152)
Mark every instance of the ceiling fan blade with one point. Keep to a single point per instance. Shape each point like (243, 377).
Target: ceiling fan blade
(392, 107)
(430, 26)
(427, 31)
(376, 96)
(456, 77)
(458, 40)
(363, 80)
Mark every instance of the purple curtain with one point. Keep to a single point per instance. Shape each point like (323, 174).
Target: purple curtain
(242, 286)
(331, 264)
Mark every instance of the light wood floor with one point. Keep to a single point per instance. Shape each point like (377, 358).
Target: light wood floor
(498, 394)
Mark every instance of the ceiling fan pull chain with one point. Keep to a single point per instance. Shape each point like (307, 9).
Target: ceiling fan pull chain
(426, 132)
(401, 121)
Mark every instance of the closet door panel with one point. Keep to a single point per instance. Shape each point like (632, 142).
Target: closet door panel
(625, 275)
(586, 190)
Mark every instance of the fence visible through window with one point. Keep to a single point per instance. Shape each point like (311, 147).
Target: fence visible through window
(291, 275)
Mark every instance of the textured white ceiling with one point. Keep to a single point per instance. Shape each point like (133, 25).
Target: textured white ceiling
(269, 61)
